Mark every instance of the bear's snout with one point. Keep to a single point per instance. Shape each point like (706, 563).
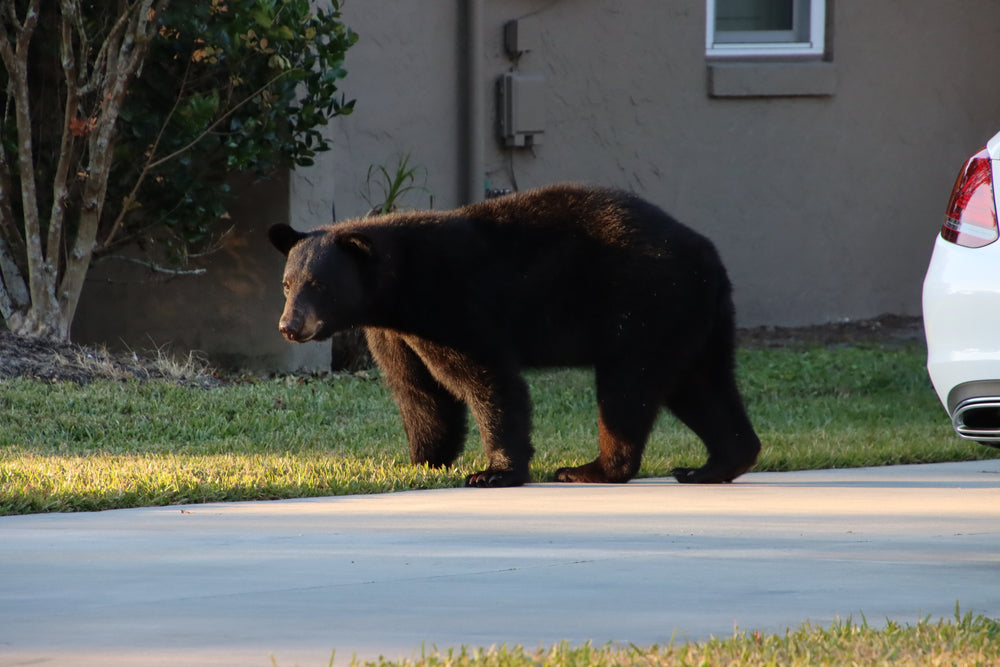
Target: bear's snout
(289, 331)
(292, 323)
(299, 328)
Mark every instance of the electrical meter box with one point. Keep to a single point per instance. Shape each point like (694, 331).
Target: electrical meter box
(521, 98)
(520, 36)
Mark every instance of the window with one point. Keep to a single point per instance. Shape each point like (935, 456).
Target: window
(747, 28)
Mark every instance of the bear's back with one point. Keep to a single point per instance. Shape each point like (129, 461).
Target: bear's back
(562, 266)
(609, 216)
(553, 273)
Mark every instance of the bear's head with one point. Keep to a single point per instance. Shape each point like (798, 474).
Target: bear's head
(324, 282)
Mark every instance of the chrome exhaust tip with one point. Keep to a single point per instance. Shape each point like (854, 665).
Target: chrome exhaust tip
(978, 419)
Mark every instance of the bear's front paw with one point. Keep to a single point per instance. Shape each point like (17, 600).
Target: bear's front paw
(496, 478)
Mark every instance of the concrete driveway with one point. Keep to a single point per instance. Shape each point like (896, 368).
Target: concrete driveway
(234, 584)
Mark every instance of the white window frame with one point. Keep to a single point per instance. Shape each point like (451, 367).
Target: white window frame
(750, 49)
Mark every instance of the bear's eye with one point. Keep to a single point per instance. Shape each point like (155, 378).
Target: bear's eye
(285, 287)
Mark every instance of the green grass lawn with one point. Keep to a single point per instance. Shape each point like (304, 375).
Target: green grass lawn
(65, 447)
(965, 641)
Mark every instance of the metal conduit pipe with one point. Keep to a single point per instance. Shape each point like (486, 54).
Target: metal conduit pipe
(472, 137)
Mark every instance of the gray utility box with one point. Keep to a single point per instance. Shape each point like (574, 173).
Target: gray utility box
(521, 98)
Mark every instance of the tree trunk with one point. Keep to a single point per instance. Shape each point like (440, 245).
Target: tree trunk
(34, 323)
(39, 293)
(41, 273)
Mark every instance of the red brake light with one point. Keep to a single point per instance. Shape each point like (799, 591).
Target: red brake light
(971, 218)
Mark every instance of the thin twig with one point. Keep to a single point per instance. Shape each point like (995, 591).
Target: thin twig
(141, 178)
(156, 267)
(214, 123)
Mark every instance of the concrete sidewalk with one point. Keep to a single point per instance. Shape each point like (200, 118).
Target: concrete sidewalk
(233, 584)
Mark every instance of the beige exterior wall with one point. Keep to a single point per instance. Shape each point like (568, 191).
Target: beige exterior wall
(229, 313)
(823, 184)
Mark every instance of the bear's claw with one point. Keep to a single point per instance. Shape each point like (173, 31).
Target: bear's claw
(495, 479)
(709, 474)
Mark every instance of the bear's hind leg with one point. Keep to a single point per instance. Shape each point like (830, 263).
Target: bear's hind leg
(435, 421)
(711, 406)
(628, 407)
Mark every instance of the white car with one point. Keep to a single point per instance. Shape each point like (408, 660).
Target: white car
(961, 302)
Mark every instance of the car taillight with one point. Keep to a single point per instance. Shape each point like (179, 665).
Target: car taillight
(971, 218)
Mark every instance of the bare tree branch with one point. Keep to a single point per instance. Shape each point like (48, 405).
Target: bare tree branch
(126, 205)
(153, 164)
(103, 61)
(12, 18)
(13, 289)
(41, 272)
(70, 16)
(208, 130)
(9, 229)
(156, 268)
(126, 47)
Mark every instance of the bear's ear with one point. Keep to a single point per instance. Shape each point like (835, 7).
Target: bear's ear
(356, 244)
(284, 237)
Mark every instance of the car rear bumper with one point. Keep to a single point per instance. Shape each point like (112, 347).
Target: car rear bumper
(961, 306)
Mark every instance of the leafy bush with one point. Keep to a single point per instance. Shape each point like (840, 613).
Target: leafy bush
(119, 122)
(230, 85)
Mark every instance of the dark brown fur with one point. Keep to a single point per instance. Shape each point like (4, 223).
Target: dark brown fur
(455, 304)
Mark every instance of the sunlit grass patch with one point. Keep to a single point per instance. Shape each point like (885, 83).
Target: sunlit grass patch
(66, 447)
(967, 640)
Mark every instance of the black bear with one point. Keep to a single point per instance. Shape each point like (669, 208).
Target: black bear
(455, 304)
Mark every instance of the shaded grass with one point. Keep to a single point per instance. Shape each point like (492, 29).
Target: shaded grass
(813, 408)
(65, 447)
(967, 640)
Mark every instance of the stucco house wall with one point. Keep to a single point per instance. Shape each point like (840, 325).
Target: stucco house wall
(823, 183)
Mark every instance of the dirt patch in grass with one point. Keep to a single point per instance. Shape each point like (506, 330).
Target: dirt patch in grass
(54, 361)
(887, 329)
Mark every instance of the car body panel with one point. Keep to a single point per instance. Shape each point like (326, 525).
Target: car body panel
(961, 308)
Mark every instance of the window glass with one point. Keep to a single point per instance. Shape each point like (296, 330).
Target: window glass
(765, 27)
(742, 15)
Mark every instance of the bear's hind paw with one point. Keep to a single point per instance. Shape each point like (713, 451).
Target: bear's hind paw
(496, 479)
(709, 474)
(593, 473)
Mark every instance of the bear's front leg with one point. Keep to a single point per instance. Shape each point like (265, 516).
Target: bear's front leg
(434, 420)
(502, 410)
(500, 404)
